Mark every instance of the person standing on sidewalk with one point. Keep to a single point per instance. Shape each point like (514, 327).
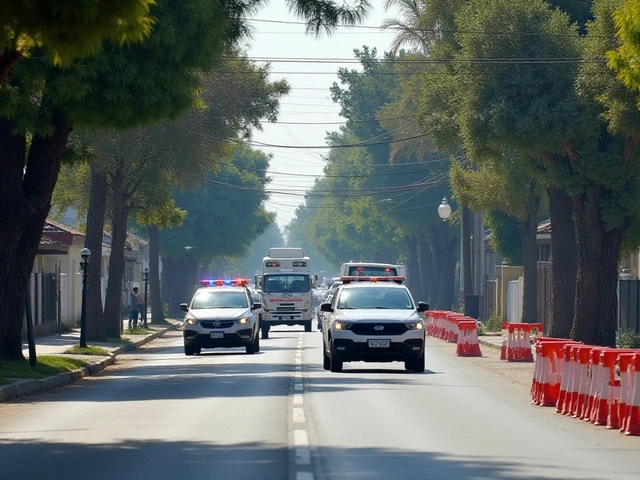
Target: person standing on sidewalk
(135, 302)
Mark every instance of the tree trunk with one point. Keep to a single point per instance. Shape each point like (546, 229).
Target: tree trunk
(426, 266)
(437, 257)
(528, 233)
(595, 309)
(25, 201)
(113, 304)
(93, 241)
(467, 284)
(563, 263)
(414, 265)
(446, 292)
(157, 310)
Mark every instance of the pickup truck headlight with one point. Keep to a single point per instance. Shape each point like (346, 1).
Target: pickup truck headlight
(243, 320)
(190, 321)
(415, 325)
(340, 325)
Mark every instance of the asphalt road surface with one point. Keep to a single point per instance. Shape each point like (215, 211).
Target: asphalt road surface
(224, 414)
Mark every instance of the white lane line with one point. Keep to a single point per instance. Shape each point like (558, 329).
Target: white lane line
(304, 476)
(301, 442)
(298, 399)
(298, 415)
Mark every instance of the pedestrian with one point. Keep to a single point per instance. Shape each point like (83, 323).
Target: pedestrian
(135, 301)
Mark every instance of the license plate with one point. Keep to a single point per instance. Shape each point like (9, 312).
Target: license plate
(217, 334)
(287, 318)
(379, 343)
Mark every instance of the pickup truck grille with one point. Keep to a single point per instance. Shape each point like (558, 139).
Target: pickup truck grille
(362, 328)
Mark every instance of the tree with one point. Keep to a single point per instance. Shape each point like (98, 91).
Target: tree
(224, 216)
(581, 133)
(119, 87)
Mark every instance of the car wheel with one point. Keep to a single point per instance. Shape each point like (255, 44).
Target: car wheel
(196, 350)
(335, 363)
(265, 332)
(256, 343)
(326, 361)
(188, 350)
(417, 365)
(307, 326)
(251, 348)
(408, 366)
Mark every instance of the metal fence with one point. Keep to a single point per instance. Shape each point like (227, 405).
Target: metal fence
(44, 298)
(629, 305)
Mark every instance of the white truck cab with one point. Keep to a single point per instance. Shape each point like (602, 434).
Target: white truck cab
(286, 284)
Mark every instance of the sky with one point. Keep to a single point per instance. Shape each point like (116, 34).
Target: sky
(308, 112)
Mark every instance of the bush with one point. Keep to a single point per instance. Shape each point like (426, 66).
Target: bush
(628, 339)
(494, 324)
(67, 327)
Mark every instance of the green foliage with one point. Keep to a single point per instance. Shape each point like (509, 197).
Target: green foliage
(625, 59)
(627, 339)
(493, 324)
(71, 29)
(88, 350)
(225, 214)
(505, 236)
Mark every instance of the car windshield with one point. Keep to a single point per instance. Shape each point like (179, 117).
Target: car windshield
(286, 283)
(369, 298)
(213, 299)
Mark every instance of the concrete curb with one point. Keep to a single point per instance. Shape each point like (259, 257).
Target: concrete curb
(487, 343)
(21, 388)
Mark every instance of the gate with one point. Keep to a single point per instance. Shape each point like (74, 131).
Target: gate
(628, 305)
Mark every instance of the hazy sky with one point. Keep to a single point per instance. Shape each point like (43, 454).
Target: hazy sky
(307, 113)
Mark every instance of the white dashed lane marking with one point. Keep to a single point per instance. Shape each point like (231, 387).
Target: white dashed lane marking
(300, 437)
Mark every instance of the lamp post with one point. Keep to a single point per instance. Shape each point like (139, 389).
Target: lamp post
(85, 253)
(146, 280)
(444, 209)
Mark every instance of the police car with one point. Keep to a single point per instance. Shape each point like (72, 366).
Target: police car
(373, 319)
(222, 313)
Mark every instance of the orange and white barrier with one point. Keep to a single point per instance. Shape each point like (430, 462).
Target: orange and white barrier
(548, 371)
(468, 345)
(518, 347)
(632, 420)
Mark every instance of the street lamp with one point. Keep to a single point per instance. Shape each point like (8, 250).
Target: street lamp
(444, 210)
(146, 279)
(85, 253)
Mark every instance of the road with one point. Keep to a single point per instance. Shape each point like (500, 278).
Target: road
(158, 414)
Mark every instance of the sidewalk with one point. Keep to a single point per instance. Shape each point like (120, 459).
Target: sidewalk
(58, 344)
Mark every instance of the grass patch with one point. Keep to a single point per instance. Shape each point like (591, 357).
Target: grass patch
(118, 340)
(46, 366)
(138, 331)
(90, 350)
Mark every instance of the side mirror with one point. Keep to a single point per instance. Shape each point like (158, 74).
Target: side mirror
(326, 307)
(256, 306)
(422, 307)
(184, 307)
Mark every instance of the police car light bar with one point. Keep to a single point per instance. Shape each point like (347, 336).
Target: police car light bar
(358, 278)
(221, 283)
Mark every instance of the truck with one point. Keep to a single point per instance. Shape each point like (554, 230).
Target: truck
(286, 284)
(370, 269)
